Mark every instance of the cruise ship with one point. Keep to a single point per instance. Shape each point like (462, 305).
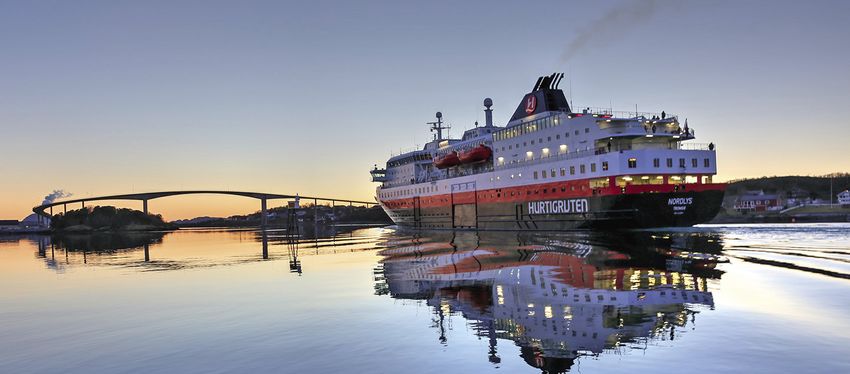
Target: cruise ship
(552, 167)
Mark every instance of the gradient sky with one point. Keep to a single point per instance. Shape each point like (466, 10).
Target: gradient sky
(304, 97)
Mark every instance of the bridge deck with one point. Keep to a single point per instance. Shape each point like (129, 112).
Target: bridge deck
(145, 196)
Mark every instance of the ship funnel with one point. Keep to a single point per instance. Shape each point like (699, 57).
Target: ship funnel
(488, 113)
(546, 83)
(537, 85)
(545, 97)
(558, 78)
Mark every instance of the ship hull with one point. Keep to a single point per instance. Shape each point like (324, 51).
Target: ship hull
(638, 210)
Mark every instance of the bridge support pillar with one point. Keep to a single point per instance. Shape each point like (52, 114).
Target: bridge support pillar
(145, 206)
(83, 204)
(64, 208)
(264, 216)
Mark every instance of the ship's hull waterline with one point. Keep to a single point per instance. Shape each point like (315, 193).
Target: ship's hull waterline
(674, 209)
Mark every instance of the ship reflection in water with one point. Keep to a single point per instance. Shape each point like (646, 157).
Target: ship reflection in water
(557, 297)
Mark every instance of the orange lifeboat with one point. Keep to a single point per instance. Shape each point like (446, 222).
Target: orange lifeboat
(447, 160)
(480, 153)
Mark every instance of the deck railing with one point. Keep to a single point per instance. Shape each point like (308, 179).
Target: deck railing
(619, 113)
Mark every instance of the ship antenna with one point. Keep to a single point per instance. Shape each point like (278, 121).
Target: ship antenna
(570, 72)
(438, 126)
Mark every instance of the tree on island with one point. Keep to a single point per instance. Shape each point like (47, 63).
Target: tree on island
(106, 217)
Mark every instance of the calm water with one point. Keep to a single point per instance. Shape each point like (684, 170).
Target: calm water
(762, 298)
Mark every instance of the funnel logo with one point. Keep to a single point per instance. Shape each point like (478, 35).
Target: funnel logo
(530, 104)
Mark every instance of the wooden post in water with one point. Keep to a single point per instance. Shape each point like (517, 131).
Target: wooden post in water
(265, 246)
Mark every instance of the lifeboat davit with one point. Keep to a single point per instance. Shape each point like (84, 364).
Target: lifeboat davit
(447, 160)
(480, 153)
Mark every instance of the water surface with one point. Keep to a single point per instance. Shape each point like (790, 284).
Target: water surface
(760, 298)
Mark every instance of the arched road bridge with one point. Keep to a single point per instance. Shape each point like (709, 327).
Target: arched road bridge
(144, 197)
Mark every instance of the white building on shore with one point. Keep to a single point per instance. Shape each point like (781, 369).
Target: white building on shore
(844, 197)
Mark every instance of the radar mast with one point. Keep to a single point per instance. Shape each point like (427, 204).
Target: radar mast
(438, 126)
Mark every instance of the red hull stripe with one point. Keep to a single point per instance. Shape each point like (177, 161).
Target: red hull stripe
(544, 191)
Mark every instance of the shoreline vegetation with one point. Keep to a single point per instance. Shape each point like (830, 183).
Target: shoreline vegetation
(107, 219)
(279, 217)
(799, 199)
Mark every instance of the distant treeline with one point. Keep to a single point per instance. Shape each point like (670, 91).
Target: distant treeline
(814, 187)
(279, 216)
(106, 218)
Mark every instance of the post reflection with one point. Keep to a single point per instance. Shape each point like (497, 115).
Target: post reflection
(558, 297)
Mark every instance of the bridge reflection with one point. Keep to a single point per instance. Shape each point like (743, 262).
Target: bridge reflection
(557, 296)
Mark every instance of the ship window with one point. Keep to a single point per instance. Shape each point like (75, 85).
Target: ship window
(576, 132)
(532, 142)
(599, 183)
(694, 162)
(539, 140)
(558, 136)
(563, 172)
(656, 162)
(572, 170)
(681, 162)
(544, 174)
(567, 135)
(549, 138)
(632, 163)
(593, 167)
(524, 144)
(669, 162)
(705, 162)
(535, 175)
(604, 165)
(553, 173)
(586, 130)
(581, 168)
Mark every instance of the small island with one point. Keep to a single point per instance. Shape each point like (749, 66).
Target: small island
(107, 219)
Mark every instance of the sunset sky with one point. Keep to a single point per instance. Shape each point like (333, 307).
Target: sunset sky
(109, 97)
